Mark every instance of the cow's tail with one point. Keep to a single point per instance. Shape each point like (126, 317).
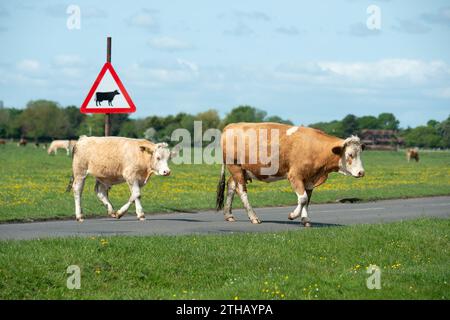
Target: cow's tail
(69, 186)
(221, 189)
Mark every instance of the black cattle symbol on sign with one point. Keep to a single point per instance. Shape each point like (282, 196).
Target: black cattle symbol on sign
(101, 96)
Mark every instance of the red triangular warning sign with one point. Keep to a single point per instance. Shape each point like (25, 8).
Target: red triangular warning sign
(108, 95)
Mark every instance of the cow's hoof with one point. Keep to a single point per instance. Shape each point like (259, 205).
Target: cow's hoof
(306, 223)
(291, 216)
(80, 220)
(119, 215)
(255, 221)
(230, 219)
(112, 214)
(141, 218)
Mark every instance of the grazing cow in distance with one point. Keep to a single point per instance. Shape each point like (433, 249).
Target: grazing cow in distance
(304, 156)
(412, 154)
(61, 144)
(101, 96)
(2, 141)
(114, 160)
(22, 142)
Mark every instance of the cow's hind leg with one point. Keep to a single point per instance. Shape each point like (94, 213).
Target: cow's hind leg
(102, 194)
(78, 184)
(135, 194)
(241, 189)
(231, 190)
(303, 196)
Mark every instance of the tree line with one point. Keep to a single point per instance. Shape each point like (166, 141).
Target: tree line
(44, 120)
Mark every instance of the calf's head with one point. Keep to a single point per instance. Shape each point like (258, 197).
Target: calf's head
(160, 155)
(350, 162)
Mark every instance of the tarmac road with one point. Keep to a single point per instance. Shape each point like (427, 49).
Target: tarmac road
(274, 219)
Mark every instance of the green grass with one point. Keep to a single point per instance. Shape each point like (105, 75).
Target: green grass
(32, 185)
(320, 263)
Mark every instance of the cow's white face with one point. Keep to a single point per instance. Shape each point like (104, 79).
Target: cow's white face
(161, 157)
(350, 163)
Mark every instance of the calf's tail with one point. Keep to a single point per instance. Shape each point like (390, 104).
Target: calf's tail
(220, 190)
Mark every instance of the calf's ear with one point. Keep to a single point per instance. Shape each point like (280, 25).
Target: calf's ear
(146, 149)
(337, 150)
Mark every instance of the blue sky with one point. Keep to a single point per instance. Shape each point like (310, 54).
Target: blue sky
(307, 61)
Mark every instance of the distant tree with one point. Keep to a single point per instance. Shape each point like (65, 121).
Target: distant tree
(209, 119)
(423, 137)
(128, 129)
(444, 132)
(333, 128)
(4, 122)
(43, 119)
(433, 124)
(74, 118)
(350, 125)
(117, 119)
(368, 122)
(388, 121)
(244, 114)
(278, 119)
(93, 125)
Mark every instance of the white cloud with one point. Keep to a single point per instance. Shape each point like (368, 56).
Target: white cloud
(168, 44)
(146, 18)
(409, 70)
(67, 60)
(154, 75)
(29, 65)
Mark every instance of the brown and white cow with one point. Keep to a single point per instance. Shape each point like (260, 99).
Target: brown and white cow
(22, 142)
(61, 144)
(412, 154)
(114, 160)
(304, 156)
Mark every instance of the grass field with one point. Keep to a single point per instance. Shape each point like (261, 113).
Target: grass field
(32, 185)
(321, 263)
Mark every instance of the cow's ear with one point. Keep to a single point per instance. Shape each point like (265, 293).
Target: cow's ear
(337, 150)
(146, 149)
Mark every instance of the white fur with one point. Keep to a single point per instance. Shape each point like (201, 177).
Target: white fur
(291, 130)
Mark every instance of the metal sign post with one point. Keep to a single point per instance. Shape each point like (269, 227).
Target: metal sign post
(108, 115)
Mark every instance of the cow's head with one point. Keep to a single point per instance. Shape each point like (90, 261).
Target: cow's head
(350, 163)
(116, 92)
(160, 156)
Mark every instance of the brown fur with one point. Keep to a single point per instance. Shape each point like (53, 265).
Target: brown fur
(412, 154)
(306, 154)
(22, 142)
(306, 157)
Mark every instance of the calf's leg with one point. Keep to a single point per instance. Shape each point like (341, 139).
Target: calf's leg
(102, 194)
(135, 194)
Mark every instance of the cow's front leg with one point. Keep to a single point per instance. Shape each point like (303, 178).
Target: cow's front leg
(302, 202)
(135, 194)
